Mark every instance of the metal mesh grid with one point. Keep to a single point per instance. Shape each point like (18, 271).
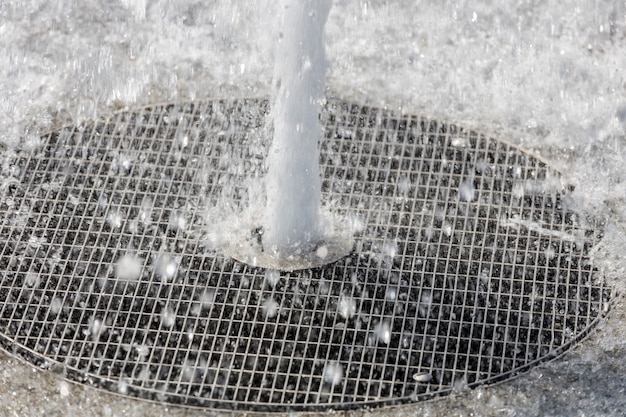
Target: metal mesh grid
(468, 266)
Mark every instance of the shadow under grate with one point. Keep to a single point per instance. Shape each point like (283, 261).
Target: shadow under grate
(469, 265)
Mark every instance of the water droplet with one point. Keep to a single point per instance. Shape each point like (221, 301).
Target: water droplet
(404, 184)
(207, 298)
(95, 326)
(460, 142)
(115, 220)
(518, 190)
(122, 387)
(142, 351)
(333, 373)
(168, 317)
(382, 332)
(165, 266)
(447, 228)
(322, 251)
(177, 221)
(64, 389)
(346, 307)
(272, 277)
(270, 308)
(390, 248)
(467, 191)
(31, 279)
(460, 385)
(128, 268)
(423, 377)
(425, 302)
(55, 306)
(145, 211)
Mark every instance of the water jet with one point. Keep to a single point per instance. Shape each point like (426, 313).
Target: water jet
(295, 233)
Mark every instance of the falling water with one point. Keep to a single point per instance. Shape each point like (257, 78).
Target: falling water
(292, 213)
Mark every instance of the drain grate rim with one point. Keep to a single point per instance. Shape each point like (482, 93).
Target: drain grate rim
(172, 140)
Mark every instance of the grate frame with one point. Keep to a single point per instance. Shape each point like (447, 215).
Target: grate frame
(469, 266)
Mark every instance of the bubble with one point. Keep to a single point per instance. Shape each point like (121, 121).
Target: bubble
(128, 268)
(346, 307)
(391, 293)
(125, 162)
(355, 223)
(270, 308)
(333, 373)
(181, 139)
(429, 232)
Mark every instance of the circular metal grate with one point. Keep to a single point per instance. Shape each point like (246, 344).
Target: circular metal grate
(467, 268)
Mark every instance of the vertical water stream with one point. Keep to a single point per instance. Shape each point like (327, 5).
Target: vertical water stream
(292, 213)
